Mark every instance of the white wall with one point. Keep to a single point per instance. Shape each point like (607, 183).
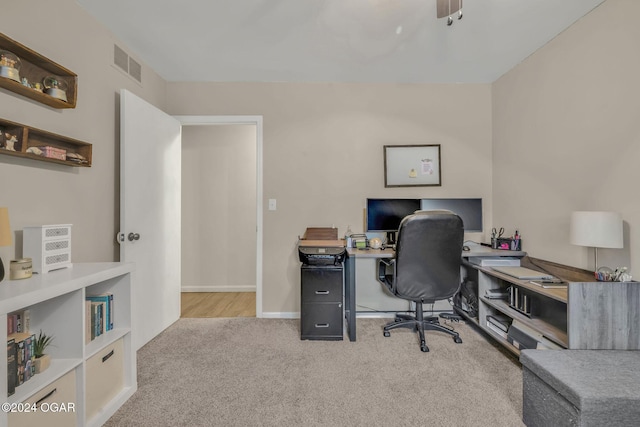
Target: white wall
(323, 153)
(566, 137)
(219, 208)
(41, 193)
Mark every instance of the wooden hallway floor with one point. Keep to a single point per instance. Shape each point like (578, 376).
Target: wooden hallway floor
(218, 304)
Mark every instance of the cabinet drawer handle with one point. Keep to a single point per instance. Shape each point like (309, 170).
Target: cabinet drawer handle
(322, 325)
(45, 397)
(107, 356)
(322, 292)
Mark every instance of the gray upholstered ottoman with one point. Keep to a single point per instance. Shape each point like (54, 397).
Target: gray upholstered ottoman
(581, 387)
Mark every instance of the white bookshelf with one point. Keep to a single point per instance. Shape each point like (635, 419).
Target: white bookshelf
(55, 301)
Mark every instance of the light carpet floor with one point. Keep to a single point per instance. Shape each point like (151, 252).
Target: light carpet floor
(257, 372)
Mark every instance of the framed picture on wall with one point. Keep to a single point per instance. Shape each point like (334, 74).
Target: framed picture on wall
(412, 165)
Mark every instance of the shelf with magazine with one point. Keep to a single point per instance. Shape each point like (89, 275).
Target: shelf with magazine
(54, 302)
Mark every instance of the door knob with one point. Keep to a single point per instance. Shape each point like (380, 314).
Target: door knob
(133, 236)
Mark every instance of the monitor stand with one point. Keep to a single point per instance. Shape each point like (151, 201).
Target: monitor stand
(391, 238)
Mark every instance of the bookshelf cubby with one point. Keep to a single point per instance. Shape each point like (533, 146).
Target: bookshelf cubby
(56, 304)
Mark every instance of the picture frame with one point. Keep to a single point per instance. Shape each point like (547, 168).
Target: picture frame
(412, 165)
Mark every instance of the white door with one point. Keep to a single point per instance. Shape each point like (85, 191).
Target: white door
(150, 150)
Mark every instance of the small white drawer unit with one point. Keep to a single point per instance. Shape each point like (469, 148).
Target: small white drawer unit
(49, 246)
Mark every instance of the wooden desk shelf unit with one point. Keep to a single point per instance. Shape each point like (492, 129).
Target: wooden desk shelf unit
(35, 68)
(32, 137)
(587, 315)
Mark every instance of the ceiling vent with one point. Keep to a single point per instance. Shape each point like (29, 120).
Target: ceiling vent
(127, 64)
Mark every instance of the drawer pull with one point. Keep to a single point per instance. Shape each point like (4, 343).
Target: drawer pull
(107, 356)
(322, 325)
(322, 292)
(45, 397)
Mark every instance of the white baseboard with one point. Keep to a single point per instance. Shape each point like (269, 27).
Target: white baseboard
(218, 289)
(280, 315)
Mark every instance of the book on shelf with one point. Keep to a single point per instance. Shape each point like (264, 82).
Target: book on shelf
(496, 329)
(107, 299)
(549, 284)
(501, 321)
(497, 293)
(87, 322)
(18, 321)
(25, 356)
(12, 367)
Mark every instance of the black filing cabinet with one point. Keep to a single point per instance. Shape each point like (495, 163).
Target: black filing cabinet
(321, 308)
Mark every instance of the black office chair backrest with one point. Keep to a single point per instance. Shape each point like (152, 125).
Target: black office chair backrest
(428, 255)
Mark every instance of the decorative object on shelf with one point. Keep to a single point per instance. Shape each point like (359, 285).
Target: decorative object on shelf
(412, 165)
(10, 141)
(20, 268)
(5, 235)
(605, 274)
(9, 65)
(54, 153)
(48, 245)
(55, 87)
(20, 140)
(34, 67)
(596, 229)
(40, 344)
(34, 150)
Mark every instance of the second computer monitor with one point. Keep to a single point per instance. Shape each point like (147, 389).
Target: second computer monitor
(469, 210)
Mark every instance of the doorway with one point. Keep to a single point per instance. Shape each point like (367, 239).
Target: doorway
(224, 301)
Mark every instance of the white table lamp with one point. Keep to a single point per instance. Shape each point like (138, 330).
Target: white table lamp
(596, 229)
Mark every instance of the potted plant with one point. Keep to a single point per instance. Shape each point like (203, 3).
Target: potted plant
(42, 359)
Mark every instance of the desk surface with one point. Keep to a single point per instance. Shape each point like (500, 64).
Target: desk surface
(371, 253)
(476, 250)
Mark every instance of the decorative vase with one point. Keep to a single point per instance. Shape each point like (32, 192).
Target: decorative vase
(42, 363)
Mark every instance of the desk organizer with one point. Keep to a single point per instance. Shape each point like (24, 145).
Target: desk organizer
(49, 246)
(507, 244)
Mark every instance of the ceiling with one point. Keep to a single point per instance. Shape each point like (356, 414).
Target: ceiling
(396, 41)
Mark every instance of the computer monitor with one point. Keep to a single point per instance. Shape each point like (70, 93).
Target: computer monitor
(384, 215)
(469, 210)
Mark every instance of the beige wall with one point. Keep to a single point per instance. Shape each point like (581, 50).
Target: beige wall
(566, 137)
(323, 153)
(219, 208)
(42, 193)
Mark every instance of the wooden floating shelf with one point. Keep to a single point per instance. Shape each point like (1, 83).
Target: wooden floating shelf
(35, 68)
(32, 137)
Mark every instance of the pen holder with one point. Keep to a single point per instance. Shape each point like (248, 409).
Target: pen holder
(507, 244)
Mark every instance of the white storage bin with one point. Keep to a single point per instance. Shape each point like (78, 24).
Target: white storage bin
(50, 401)
(49, 246)
(105, 377)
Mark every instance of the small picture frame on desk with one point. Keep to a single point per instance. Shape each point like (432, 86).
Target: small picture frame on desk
(412, 165)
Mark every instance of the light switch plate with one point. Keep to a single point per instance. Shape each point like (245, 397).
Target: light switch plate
(272, 204)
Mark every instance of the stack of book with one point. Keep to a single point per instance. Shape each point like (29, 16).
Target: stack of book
(18, 322)
(499, 324)
(20, 352)
(98, 315)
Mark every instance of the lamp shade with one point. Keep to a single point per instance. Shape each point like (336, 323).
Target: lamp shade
(596, 229)
(5, 228)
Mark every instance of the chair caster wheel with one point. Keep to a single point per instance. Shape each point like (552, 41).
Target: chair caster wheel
(386, 334)
(457, 340)
(424, 348)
